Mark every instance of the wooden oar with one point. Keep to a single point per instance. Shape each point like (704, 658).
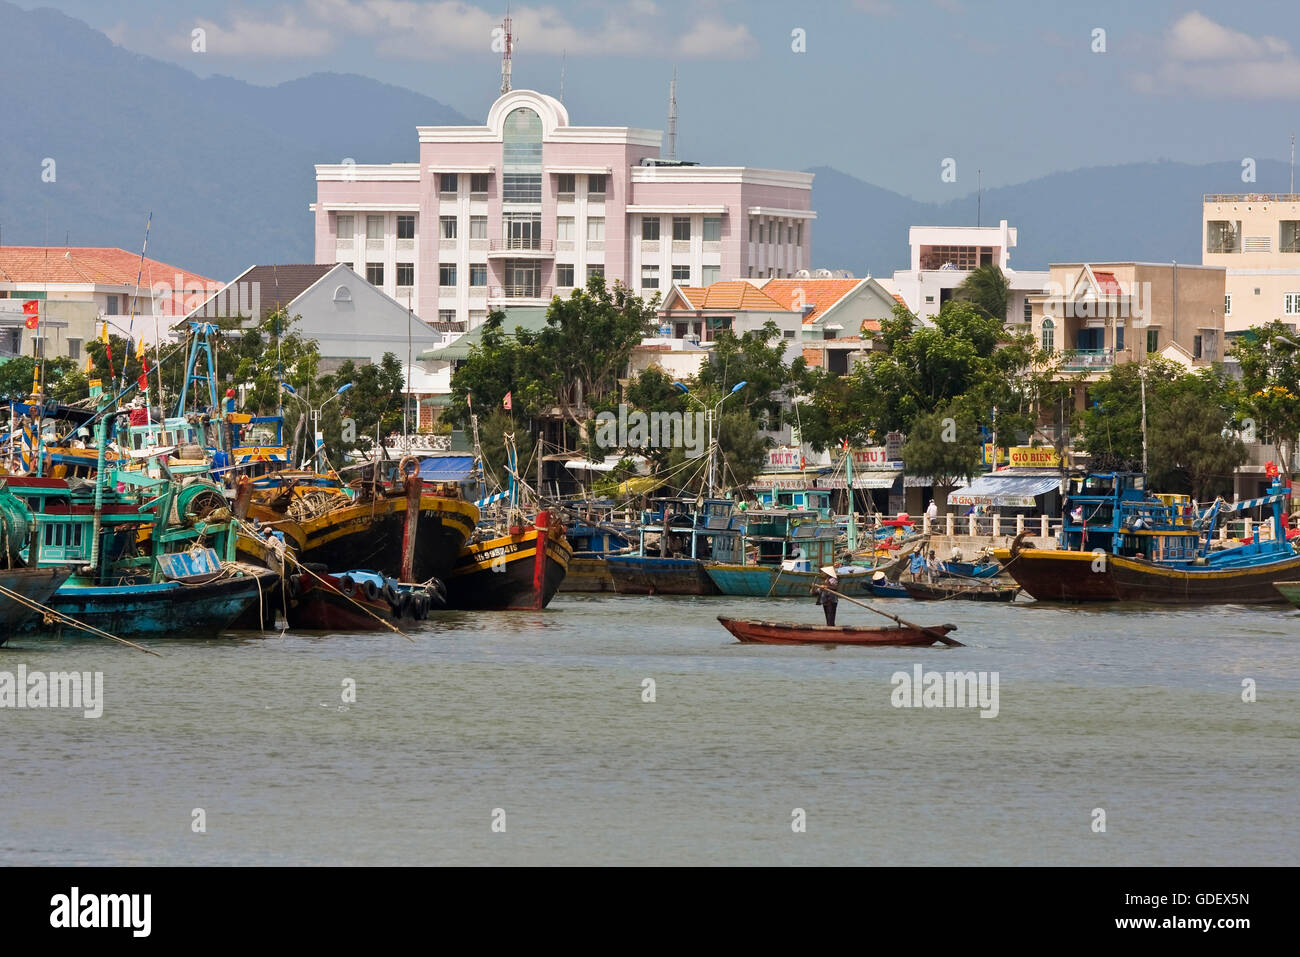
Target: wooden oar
(938, 635)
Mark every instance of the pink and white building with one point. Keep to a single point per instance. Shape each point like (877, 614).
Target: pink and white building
(528, 206)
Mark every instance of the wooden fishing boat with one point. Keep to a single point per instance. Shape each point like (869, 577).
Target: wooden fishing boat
(753, 631)
(595, 535)
(509, 571)
(166, 609)
(1130, 546)
(329, 527)
(34, 585)
(587, 573)
(676, 539)
(357, 600)
(884, 588)
(1289, 590)
(766, 581)
(951, 588)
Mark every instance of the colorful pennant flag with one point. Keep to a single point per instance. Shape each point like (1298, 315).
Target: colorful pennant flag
(507, 403)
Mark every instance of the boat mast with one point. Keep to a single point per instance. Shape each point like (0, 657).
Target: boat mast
(848, 484)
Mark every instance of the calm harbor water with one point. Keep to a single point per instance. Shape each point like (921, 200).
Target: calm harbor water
(1138, 712)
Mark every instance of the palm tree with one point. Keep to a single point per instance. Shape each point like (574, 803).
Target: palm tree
(988, 290)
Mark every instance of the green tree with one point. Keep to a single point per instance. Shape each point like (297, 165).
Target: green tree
(584, 349)
(373, 404)
(1192, 448)
(988, 290)
(1270, 380)
(757, 358)
(945, 445)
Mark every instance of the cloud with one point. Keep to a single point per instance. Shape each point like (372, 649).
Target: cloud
(247, 36)
(1197, 37)
(408, 28)
(1208, 59)
(714, 38)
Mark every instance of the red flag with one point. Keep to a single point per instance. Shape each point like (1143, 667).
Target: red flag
(506, 402)
(33, 322)
(31, 307)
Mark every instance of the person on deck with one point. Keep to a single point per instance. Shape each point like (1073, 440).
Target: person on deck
(916, 564)
(932, 512)
(827, 599)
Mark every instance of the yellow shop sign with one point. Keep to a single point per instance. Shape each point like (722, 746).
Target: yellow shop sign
(1045, 457)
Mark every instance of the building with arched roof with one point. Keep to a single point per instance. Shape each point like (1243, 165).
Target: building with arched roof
(528, 206)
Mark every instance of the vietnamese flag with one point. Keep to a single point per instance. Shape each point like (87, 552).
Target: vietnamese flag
(32, 313)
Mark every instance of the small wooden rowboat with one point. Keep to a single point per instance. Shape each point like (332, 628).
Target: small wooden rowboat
(752, 631)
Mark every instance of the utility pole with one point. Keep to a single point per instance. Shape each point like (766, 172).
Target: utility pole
(1142, 383)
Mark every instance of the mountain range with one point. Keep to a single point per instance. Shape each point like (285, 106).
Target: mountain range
(226, 167)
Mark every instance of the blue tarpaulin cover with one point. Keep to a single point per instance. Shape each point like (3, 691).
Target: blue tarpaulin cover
(446, 468)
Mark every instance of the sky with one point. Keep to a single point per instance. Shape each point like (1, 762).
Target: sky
(911, 95)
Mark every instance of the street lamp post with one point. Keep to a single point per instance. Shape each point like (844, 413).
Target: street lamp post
(710, 414)
(314, 414)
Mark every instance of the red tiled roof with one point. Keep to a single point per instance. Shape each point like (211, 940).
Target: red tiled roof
(734, 295)
(82, 265)
(901, 300)
(821, 294)
(1107, 284)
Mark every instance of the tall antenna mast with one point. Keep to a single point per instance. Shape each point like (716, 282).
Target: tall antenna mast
(672, 117)
(505, 54)
(979, 195)
(1293, 164)
(563, 55)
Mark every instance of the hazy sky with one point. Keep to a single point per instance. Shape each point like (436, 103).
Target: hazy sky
(885, 90)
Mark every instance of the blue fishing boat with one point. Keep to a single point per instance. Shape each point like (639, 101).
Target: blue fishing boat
(1120, 543)
(153, 557)
(675, 541)
(779, 554)
(882, 587)
(595, 534)
(984, 569)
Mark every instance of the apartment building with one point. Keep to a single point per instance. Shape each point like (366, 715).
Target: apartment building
(528, 206)
(1256, 238)
(942, 258)
(1098, 315)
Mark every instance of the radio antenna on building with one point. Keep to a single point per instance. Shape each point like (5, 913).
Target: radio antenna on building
(563, 56)
(672, 117)
(1292, 164)
(979, 195)
(506, 52)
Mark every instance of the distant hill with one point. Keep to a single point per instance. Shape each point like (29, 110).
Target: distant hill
(225, 166)
(1137, 211)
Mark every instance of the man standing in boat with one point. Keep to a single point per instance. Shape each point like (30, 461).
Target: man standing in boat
(826, 596)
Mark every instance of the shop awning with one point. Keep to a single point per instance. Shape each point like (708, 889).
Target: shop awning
(884, 478)
(784, 481)
(1006, 491)
(446, 468)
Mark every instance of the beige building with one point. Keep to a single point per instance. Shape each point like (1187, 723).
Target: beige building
(1098, 315)
(1256, 237)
